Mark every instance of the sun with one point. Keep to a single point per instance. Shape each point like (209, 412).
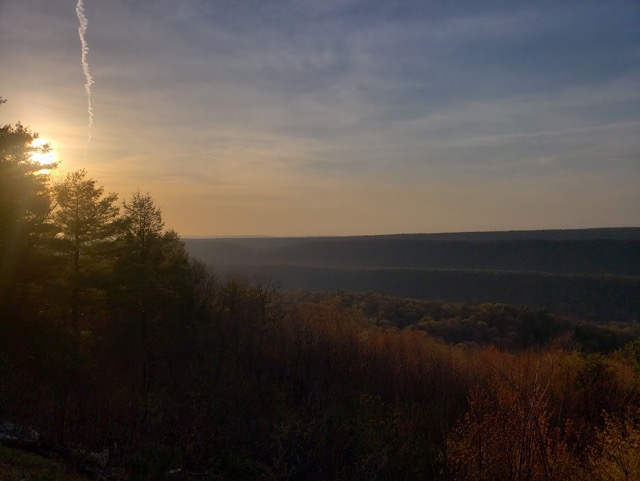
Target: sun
(44, 154)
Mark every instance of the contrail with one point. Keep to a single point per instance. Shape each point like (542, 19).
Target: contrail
(85, 65)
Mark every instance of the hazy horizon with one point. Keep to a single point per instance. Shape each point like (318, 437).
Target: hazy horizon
(392, 234)
(299, 118)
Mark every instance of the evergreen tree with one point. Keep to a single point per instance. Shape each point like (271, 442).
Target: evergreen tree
(152, 277)
(25, 204)
(88, 224)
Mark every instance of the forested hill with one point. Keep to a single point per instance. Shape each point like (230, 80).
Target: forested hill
(603, 256)
(619, 233)
(591, 273)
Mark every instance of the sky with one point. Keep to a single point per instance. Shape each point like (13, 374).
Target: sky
(340, 117)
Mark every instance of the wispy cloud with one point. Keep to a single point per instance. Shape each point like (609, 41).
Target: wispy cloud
(82, 31)
(301, 107)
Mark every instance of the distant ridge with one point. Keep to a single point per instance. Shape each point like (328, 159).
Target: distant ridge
(598, 233)
(594, 233)
(588, 273)
(614, 251)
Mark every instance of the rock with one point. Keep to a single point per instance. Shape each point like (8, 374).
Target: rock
(17, 435)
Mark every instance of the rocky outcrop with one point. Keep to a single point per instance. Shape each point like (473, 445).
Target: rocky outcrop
(16, 435)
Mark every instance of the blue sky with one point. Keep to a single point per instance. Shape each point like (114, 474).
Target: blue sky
(341, 117)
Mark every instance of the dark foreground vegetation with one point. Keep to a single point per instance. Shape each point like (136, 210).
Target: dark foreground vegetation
(19, 465)
(114, 341)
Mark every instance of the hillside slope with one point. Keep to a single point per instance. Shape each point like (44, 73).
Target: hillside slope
(592, 273)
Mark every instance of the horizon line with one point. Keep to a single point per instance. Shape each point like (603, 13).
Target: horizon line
(505, 231)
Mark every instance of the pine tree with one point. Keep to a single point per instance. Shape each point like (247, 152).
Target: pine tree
(88, 225)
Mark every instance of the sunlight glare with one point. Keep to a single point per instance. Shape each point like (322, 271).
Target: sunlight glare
(45, 156)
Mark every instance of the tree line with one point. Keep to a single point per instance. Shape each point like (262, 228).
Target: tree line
(73, 240)
(598, 298)
(508, 327)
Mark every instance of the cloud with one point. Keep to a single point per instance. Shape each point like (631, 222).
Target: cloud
(338, 106)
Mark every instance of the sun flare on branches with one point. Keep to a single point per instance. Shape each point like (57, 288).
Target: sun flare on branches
(43, 152)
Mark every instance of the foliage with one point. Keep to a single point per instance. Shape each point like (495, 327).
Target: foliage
(143, 225)
(85, 216)
(507, 434)
(615, 453)
(87, 224)
(504, 326)
(25, 205)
